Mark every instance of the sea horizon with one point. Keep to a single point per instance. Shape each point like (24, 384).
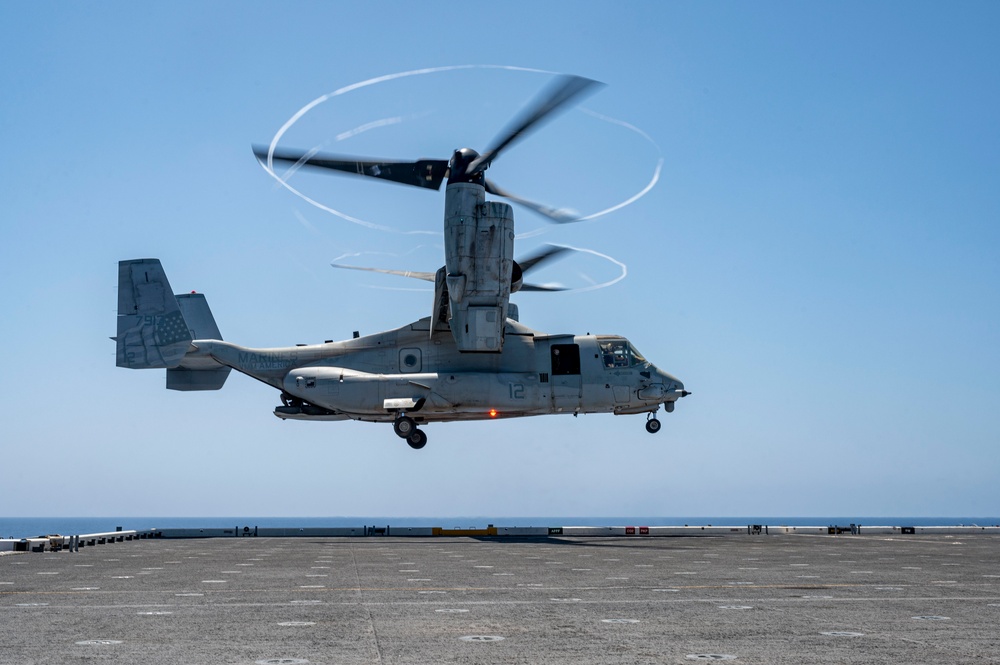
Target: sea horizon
(28, 527)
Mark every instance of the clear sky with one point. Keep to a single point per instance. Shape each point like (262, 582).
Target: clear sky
(819, 260)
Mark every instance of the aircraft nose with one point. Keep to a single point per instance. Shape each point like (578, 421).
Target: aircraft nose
(671, 382)
(673, 386)
(667, 389)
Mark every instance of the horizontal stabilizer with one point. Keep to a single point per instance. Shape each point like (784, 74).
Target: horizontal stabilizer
(182, 378)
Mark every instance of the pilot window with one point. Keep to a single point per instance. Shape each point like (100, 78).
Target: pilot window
(619, 353)
(565, 359)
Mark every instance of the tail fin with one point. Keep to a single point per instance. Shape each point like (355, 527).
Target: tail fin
(155, 328)
(152, 332)
(200, 322)
(197, 373)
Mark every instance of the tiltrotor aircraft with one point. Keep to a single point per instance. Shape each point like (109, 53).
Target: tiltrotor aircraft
(470, 360)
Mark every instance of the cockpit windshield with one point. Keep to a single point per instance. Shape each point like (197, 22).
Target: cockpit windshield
(620, 353)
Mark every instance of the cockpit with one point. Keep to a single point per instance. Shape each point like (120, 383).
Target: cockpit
(619, 353)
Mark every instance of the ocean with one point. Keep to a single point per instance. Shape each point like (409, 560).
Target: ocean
(27, 527)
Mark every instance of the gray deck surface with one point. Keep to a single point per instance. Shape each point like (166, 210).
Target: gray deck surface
(760, 599)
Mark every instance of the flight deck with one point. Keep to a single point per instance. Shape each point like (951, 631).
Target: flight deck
(752, 598)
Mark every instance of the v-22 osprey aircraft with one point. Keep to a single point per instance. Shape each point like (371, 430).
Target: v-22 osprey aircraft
(470, 360)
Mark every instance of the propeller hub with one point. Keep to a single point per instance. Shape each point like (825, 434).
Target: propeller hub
(459, 170)
(516, 277)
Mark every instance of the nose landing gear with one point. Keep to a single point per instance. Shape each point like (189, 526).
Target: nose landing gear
(652, 424)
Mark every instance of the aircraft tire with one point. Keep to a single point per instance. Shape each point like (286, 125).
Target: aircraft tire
(404, 426)
(417, 439)
(652, 425)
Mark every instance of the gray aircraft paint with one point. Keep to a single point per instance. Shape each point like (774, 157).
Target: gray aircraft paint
(368, 378)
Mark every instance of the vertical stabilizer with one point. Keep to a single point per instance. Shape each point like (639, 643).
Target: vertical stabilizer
(200, 322)
(197, 373)
(152, 331)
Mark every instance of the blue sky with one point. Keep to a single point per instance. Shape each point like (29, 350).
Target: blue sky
(819, 260)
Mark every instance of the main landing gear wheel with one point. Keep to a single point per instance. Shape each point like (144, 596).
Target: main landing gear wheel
(417, 439)
(404, 427)
(652, 425)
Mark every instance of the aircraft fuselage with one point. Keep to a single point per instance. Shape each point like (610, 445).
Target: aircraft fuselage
(381, 376)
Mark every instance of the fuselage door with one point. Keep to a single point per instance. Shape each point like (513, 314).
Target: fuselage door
(622, 394)
(565, 383)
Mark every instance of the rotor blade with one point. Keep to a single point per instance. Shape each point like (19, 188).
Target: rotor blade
(542, 287)
(429, 173)
(557, 216)
(426, 276)
(563, 90)
(547, 253)
(442, 303)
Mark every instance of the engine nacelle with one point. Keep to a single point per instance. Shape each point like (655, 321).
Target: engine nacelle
(479, 236)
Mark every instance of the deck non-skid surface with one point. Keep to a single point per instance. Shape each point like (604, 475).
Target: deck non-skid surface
(751, 599)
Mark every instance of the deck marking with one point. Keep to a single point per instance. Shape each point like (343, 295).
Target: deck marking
(710, 656)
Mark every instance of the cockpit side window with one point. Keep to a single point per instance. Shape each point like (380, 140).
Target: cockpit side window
(619, 353)
(637, 358)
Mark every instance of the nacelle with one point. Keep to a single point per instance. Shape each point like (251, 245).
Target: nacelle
(479, 239)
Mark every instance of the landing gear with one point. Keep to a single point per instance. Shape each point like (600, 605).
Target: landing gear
(417, 439)
(288, 400)
(404, 426)
(652, 425)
